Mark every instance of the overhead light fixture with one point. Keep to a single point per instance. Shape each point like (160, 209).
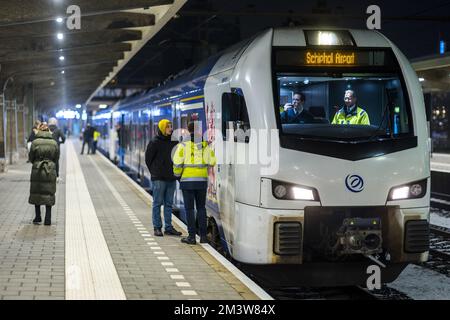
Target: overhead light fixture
(103, 106)
(60, 36)
(78, 106)
(59, 20)
(63, 72)
(421, 79)
(61, 58)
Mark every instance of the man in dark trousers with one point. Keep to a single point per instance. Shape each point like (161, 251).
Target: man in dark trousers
(158, 158)
(59, 137)
(190, 163)
(88, 136)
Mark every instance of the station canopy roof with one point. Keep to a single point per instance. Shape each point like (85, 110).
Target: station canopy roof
(68, 66)
(434, 72)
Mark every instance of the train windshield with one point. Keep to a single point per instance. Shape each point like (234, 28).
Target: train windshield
(318, 98)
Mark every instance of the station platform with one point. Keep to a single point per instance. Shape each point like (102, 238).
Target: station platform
(100, 244)
(440, 162)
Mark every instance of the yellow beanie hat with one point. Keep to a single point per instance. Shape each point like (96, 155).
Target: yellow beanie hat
(162, 125)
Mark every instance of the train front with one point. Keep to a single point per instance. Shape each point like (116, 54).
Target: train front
(351, 185)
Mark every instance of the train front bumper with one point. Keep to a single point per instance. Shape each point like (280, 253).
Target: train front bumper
(277, 236)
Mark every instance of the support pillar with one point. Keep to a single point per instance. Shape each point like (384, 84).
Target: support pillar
(11, 132)
(3, 167)
(21, 142)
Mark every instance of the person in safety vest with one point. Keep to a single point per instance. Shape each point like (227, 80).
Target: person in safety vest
(350, 113)
(190, 164)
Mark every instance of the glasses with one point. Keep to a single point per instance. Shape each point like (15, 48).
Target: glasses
(347, 99)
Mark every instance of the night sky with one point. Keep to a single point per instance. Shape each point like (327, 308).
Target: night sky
(415, 38)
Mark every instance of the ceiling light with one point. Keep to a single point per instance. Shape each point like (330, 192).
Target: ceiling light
(59, 20)
(60, 36)
(61, 58)
(63, 72)
(421, 79)
(103, 106)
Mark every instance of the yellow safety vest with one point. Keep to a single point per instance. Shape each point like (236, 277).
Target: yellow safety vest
(96, 135)
(357, 116)
(191, 161)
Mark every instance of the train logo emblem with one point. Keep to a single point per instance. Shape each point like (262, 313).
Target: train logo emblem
(354, 183)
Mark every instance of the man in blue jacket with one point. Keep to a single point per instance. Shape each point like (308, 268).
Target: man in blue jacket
(294, 112)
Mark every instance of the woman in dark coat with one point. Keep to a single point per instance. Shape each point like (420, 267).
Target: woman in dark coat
(44, 153)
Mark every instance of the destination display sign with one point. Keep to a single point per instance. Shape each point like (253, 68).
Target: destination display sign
(332, 58)
(329, 58)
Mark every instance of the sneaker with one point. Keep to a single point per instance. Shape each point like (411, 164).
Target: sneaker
(37, 220)
(203, 239)
(172, 232)
(188, 240)
(158, 233)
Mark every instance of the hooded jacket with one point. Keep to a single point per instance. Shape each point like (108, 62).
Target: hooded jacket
(44, 153)
(158, 157)
(57, 134)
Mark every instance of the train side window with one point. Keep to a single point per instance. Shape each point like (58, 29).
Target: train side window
(235, 116)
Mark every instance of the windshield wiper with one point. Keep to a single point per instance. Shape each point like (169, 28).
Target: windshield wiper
(386, 111)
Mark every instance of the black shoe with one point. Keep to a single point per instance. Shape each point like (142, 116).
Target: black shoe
(203, 239)
(37, 220)
(172, 232)
(48, 219)
(188, 240)
(158, 233)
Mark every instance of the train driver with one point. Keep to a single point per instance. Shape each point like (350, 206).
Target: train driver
(294, 112)
(350, 113)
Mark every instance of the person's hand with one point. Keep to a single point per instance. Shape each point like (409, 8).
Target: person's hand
(287, 106)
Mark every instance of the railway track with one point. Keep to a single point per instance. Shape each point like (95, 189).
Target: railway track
(336, 293)
(439, 258)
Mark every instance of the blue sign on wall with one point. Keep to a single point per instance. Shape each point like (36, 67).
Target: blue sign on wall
(441, 47)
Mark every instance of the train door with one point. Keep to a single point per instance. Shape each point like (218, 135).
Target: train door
(176, 123)
(140, 146)
(221, 184)
(176, 120)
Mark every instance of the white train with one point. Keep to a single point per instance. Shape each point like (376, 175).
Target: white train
(301, 202)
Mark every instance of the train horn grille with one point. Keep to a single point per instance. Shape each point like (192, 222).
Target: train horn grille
(417, 236)
(288, 238)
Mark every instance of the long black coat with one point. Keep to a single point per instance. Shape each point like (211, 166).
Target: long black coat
(158, 158)
(44, 153)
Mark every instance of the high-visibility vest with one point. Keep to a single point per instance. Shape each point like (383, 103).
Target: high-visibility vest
(191, 161)
(357, 116)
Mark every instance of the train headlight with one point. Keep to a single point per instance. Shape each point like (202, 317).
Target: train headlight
(280, 191)
(413, 190)
(288, 191)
